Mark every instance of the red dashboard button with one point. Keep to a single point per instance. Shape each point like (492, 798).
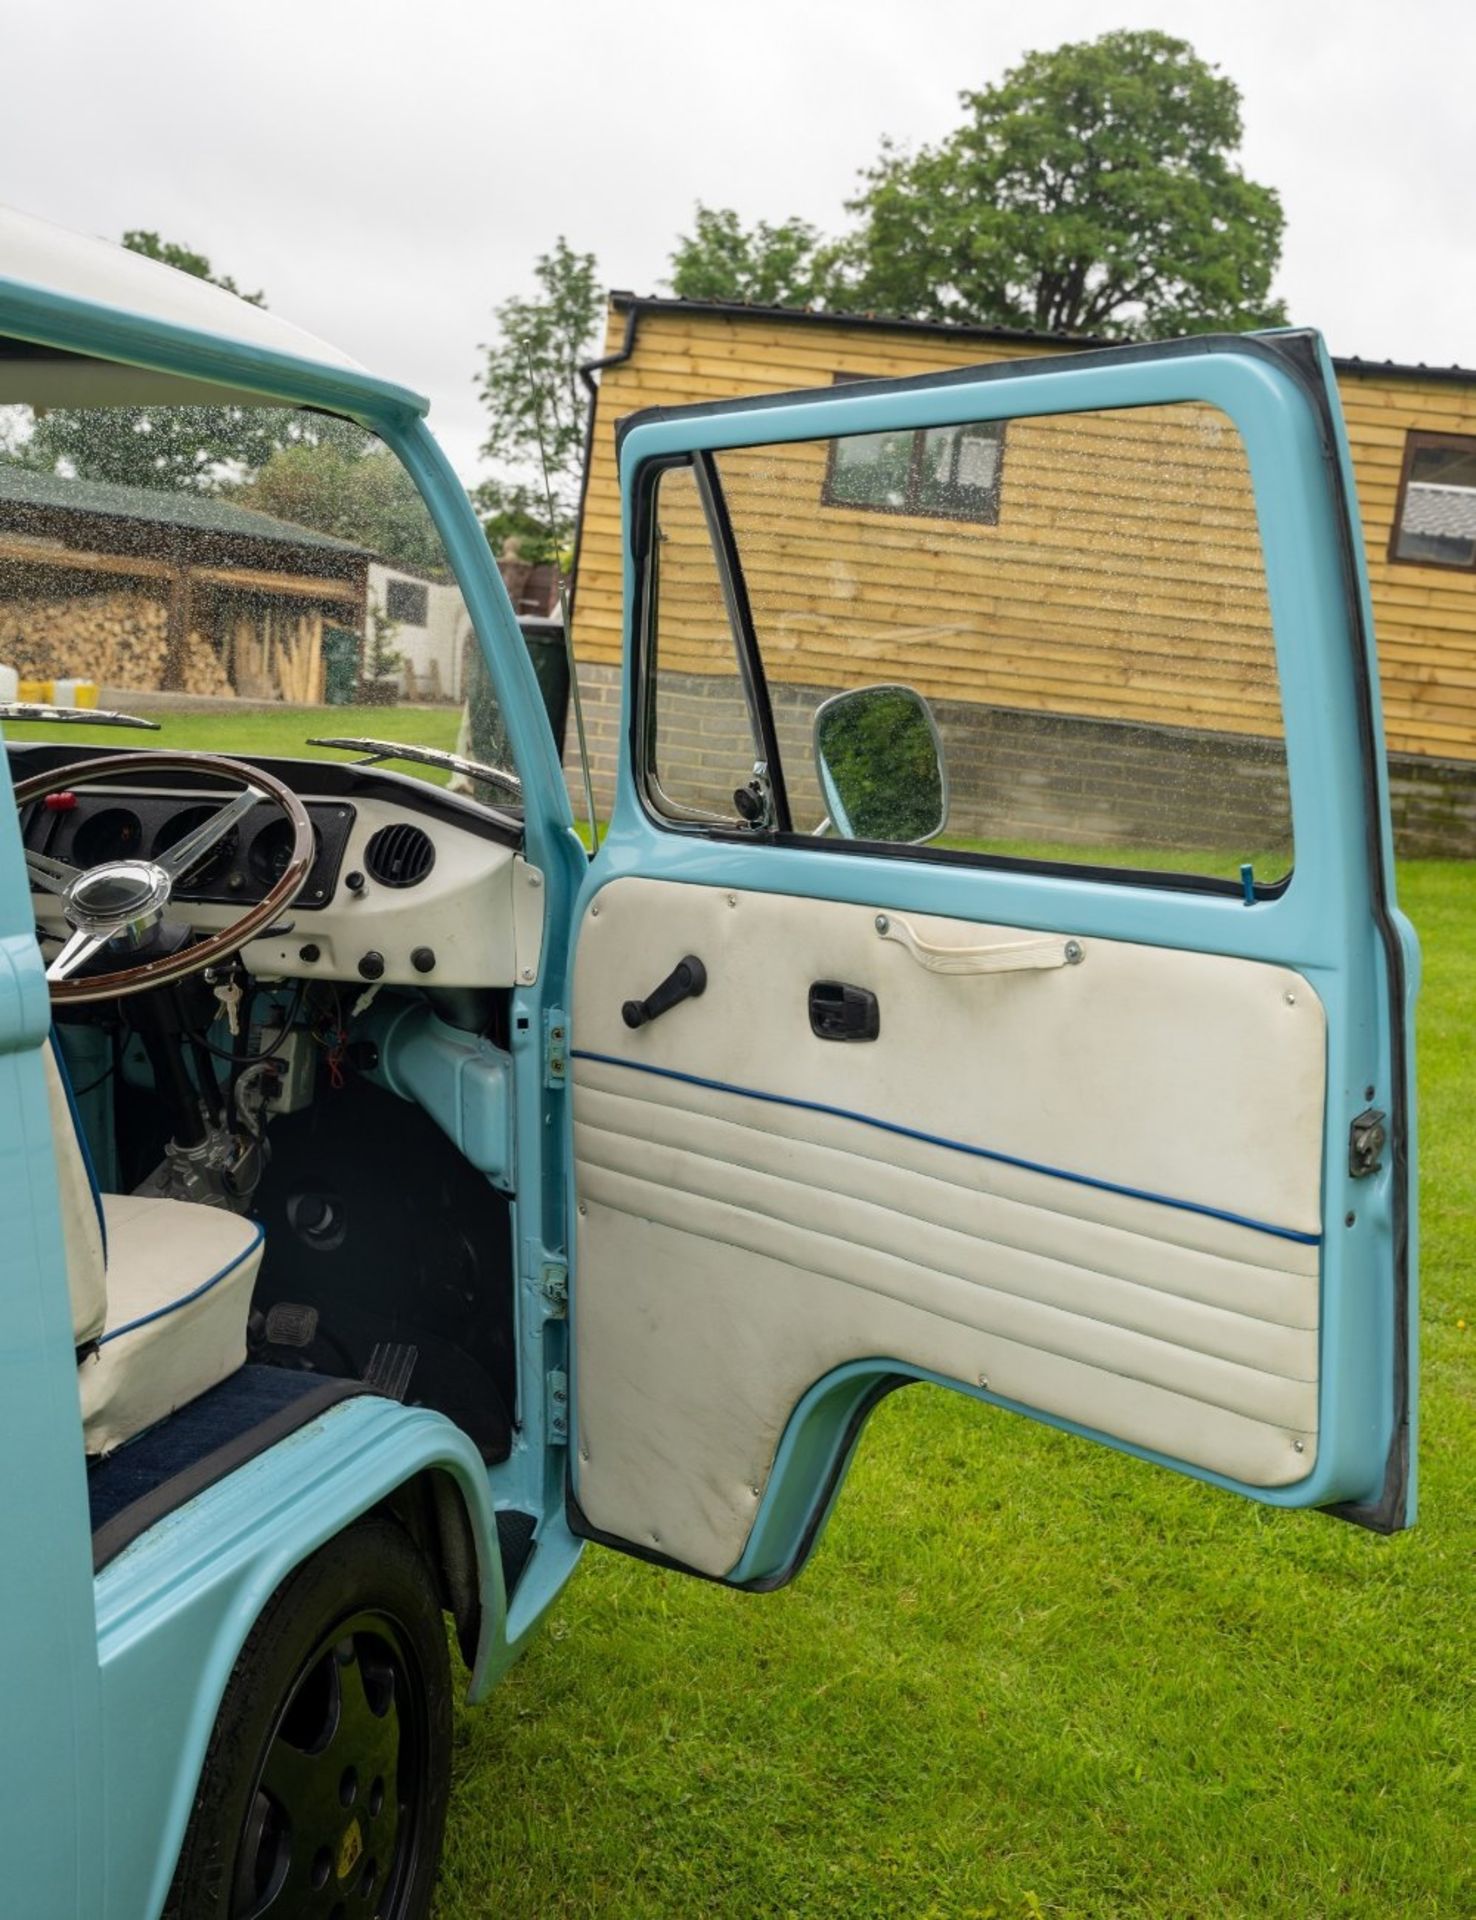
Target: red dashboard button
(62, 802)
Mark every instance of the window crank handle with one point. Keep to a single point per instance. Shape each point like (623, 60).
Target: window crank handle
(686, 981)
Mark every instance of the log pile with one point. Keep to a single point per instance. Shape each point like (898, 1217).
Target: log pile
(204, 670)
(115, 639)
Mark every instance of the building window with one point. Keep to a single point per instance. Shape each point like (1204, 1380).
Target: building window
(1435, 519)
(407, 603)
(951, 473)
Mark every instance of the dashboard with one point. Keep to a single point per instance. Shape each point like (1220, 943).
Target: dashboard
(93, 825)
(409, 885)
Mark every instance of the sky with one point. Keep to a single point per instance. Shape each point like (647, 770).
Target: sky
(389, 172)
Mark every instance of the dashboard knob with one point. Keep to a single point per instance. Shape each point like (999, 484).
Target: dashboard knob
(354, 881)
(423, 959)
(371, 965)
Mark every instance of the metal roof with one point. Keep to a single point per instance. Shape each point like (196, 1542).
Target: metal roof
(633, 303)
(163, 506)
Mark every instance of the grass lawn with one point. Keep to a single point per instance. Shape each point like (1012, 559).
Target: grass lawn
(1023, 1676)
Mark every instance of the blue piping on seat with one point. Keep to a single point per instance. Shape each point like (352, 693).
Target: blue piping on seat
(173, 1306)
(956, 1146)
(81, 1132)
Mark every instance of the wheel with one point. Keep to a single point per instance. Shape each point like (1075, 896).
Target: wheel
(325, 1785)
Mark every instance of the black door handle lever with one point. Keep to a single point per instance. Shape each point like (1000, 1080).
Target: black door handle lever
(686, 981)
(842, 1012)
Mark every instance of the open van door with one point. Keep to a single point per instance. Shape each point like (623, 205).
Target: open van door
(991, 975)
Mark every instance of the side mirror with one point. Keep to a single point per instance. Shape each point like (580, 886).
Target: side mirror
(880, 761)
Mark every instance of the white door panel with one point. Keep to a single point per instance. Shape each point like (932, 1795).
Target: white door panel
(1185, 1075)
(1095, 1186)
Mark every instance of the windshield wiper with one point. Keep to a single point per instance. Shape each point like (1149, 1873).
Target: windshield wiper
(73, 716)
(377, 750)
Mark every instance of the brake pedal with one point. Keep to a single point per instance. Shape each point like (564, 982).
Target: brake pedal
(390, 1366)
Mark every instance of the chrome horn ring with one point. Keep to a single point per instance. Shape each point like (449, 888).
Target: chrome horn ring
(117, 903)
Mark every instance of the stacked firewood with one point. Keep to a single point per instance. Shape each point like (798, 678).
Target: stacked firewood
(115, 639)
(204, 670)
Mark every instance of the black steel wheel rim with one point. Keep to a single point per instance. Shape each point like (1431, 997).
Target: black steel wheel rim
(335, 1814)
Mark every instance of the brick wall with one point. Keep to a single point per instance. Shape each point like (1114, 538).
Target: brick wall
(1033, 776)
(1434, 805)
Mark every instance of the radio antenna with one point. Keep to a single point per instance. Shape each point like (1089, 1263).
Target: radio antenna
(558, 566)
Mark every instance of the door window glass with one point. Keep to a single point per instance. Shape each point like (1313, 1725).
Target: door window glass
(1098, 657)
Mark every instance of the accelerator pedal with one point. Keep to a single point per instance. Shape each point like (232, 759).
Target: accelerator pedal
(390, 1367)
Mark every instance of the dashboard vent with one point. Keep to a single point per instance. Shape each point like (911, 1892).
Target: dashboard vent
(399, 856)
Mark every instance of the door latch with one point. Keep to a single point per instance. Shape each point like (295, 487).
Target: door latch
(1367, 1138)
(553, 1284)
(842, 1012)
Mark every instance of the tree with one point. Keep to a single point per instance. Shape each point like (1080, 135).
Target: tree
(515, 521)
(788, 265)
(191, 449)
(532, 390)
(338, 479)
(186, 260)
(381, 658)
(1092, 190)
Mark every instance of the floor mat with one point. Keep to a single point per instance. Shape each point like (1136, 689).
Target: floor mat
(211, 1437)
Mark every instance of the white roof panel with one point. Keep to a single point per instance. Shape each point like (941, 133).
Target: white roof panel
(42, 255)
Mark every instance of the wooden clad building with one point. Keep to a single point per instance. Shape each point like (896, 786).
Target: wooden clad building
(1182, 644)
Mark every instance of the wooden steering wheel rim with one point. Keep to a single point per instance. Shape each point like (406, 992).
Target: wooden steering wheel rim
(215, 946)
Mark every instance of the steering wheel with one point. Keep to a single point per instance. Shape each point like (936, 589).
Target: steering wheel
(119, 903)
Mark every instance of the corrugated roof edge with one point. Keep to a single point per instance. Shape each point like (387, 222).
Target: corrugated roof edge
(624, 301)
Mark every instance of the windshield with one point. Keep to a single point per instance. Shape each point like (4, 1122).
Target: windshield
(247, 576)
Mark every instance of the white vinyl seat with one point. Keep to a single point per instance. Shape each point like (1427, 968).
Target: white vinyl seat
(160, 1289)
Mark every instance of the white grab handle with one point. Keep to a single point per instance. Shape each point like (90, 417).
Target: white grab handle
(1009, 956)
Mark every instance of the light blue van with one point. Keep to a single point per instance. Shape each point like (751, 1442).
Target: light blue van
(396, 1198)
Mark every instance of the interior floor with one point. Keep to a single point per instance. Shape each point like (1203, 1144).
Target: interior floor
(381, 1239)
(388, 1258)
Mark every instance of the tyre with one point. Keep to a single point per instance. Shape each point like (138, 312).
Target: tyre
(323, 1795)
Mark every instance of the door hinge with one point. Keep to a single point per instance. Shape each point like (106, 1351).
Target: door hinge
(1367, 1138)
(553, 1284)
(556, 1406)
(555, 1048)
